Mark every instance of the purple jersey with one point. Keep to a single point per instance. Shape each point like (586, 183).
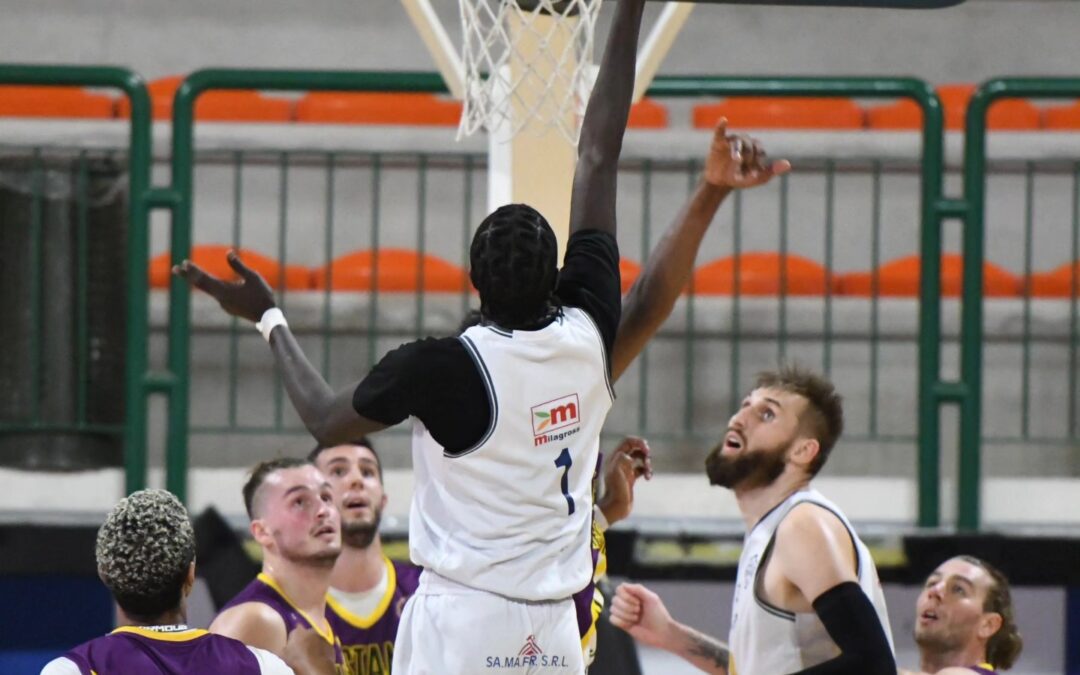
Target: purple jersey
(368, 641)
(266, 590)
(982, 669)
(131, 649)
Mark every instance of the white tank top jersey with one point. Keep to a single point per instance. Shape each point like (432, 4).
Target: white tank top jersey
(766, 640)
(513, 515)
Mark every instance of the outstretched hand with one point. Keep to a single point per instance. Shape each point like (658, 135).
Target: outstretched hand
(738, 161)
(247, 298)
(308, 653)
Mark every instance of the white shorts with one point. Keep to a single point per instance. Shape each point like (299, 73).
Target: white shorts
(450, 629)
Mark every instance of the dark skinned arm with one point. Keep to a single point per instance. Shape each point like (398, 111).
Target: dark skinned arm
(592, 204)
(329, 417)
(733, 162)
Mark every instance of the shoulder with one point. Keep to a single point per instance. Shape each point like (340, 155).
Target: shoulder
(812, 532)
(253, 623)
(424, 353)
(270, 663)
(61, 666)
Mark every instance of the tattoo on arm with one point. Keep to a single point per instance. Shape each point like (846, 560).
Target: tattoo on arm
(706, 648)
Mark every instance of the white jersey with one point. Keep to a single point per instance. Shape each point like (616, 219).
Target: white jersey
(767, 640)
(513, 515)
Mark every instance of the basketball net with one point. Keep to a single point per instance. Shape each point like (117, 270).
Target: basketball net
(527, 65)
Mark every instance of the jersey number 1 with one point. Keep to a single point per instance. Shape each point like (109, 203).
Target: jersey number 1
(566, 462)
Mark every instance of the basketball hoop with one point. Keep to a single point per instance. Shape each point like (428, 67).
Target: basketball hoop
(527, 64)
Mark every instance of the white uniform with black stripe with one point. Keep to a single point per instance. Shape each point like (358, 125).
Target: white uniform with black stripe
(503, 530)
(766, 640)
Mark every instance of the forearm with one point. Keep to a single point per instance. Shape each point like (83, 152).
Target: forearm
(310, 394)
(705, 653)
(600, 142)
(666, 273)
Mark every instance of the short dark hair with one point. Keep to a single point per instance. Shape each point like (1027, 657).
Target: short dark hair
(144, 551)
(513, 263)
(258, 475)
(823, 418)
(1005, 645)
(363, 442)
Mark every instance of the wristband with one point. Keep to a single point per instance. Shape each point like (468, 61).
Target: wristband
(271, 319)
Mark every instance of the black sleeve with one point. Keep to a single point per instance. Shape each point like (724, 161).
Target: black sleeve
(435, 380)
(854, 626)
(589, 279)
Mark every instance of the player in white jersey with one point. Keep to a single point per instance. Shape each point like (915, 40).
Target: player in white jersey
(507, 417)
(807, 597)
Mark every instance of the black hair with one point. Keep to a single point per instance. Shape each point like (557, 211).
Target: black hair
(514, 265)
(363, 441)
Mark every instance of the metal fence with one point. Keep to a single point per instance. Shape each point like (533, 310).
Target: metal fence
(309, 207)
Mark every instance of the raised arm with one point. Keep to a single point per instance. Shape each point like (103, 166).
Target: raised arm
(329, 417)
(733, 162)
(593, 202)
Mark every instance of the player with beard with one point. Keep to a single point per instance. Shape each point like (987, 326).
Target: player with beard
(295, 521)
(965, 622)
(807, 595)
(367, 590)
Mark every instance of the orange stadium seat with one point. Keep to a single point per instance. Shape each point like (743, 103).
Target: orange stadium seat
(227, 105)
(211, 257)
(648, 114)
(1062, 118)
(378, 108)
(629, 271)
(1061, 282)
(1008, 114)
(72, 102)
(782, 113)
(759, 274)
(398, 272)
(900, 278)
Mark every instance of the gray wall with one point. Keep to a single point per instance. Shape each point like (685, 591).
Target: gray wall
(974, 41)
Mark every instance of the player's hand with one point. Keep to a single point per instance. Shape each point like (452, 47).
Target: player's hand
(629, 461)
(737, 161)
(640, 612)
(308, 653)
(247, 298)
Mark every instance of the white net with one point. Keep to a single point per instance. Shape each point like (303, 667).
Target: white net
(528, 63)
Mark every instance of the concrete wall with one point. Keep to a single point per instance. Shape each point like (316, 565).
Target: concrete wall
(974, 41)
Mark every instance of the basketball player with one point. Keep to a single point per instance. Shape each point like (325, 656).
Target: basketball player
(807, 596)
(296, 524)
(146, 557)
(965, 621)
(508, 415)
(367, 590)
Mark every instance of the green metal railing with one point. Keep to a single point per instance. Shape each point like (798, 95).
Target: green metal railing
(697, 342)
(972, 209)
(138, 384)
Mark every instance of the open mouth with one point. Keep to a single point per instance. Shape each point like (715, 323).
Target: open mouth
(354, 503)
(734, 441)
(928, 615)
(325, 529)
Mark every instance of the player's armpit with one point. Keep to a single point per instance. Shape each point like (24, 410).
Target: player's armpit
(812, 533)
(253, 623)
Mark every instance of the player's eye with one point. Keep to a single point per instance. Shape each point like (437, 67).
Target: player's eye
(338, 472)
(368, 473)
(959, 590)
(768, 415)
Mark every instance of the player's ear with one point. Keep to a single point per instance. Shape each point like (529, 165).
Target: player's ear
(806, 449)
(989, 624)
(259, 532)
(189, 580)
(385, 499)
